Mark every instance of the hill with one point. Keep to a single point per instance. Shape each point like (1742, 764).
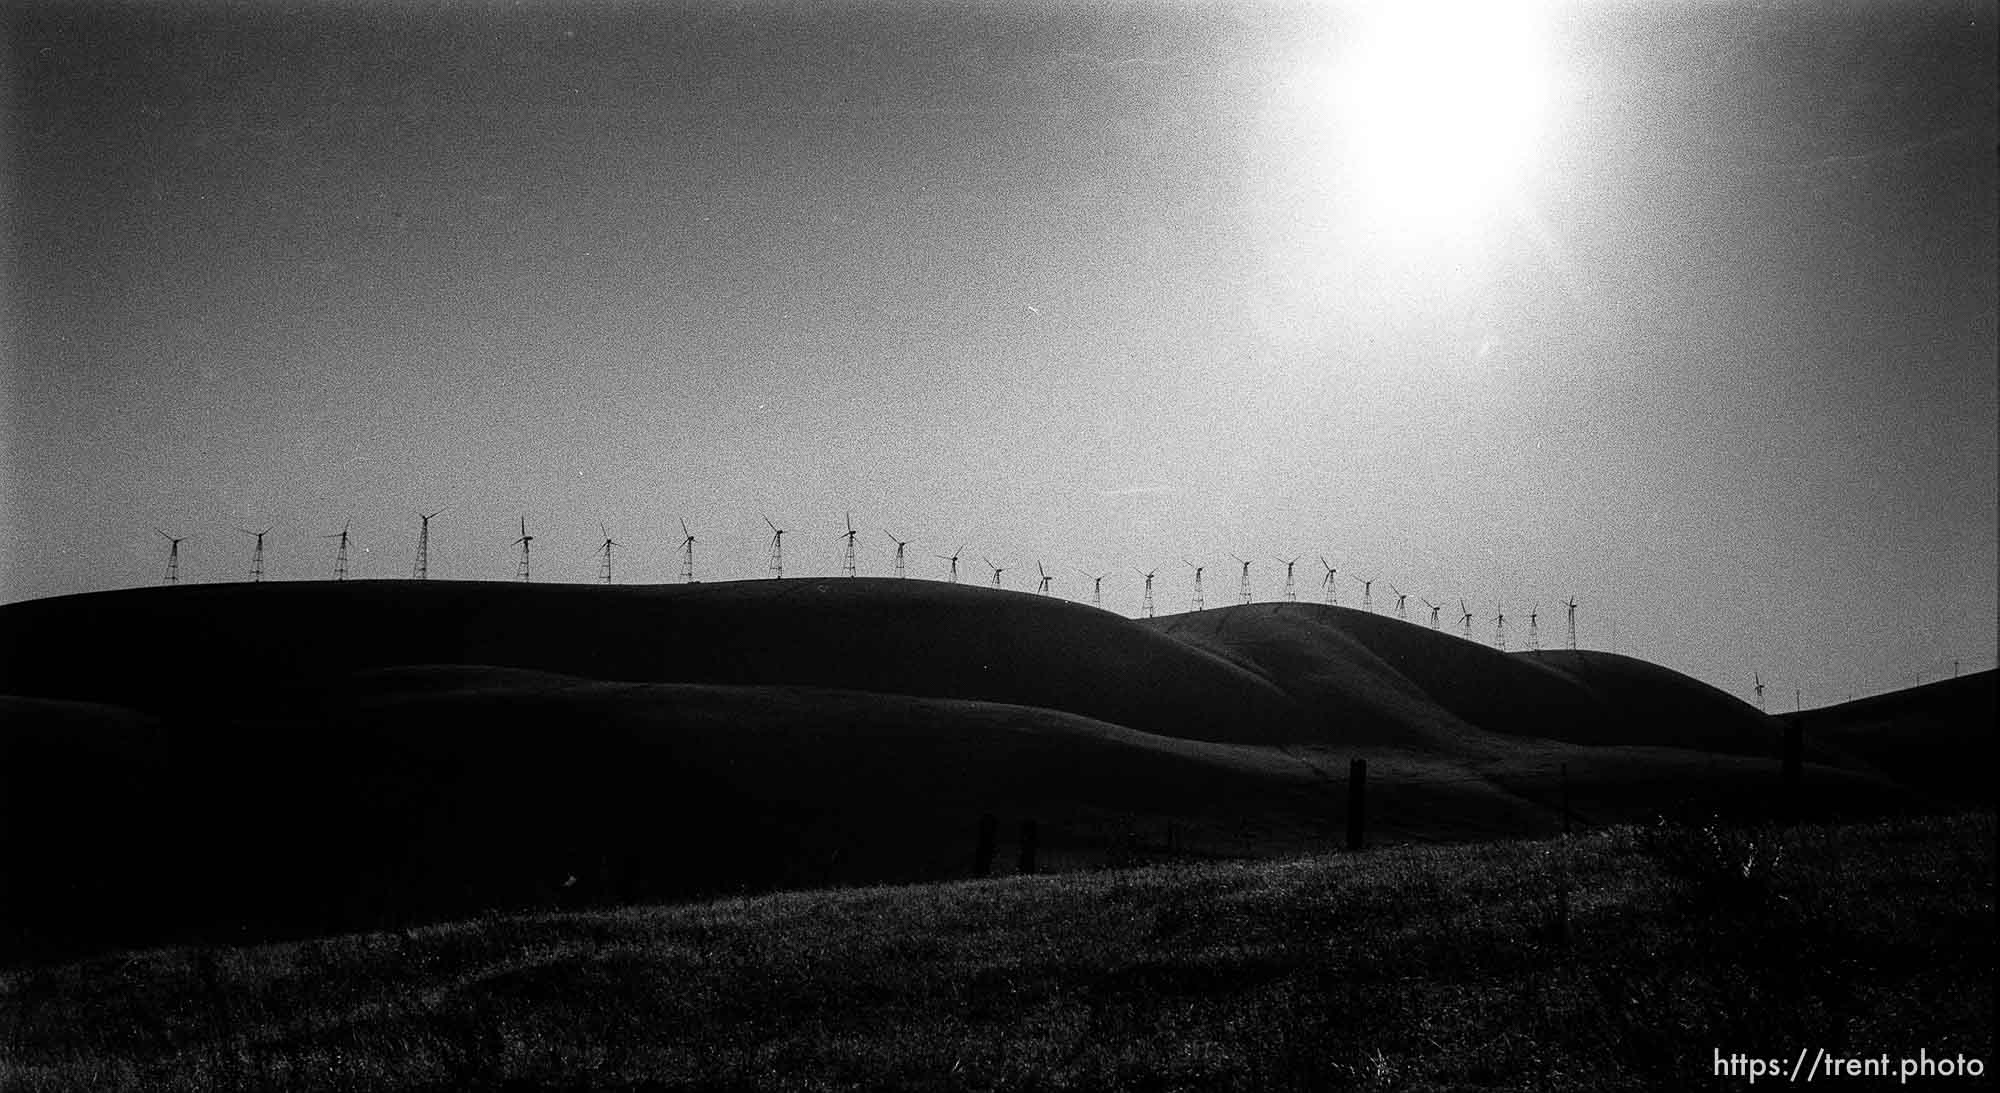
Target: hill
(1622, 959)
(287, 758)
(1937, 737)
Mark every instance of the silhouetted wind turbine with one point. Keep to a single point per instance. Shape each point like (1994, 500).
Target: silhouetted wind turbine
(257, 554)
(1042, 587)
(953, 559)
(604, 570)
(1534, 627)
(1096, 586)
(1146, 605)
(1571, 606)
(1434, 612)
(1243, 582)
(1402, 612)
(900, 544)
(523, 542)
(1367, 593)
(1757, 685)
(1291, 589)
(1198, 604)
(1499, 626)
(173, 556)
(777, 550)
(687, 554)
(340, 556)
(847, 560)
(1330, 584)
(1465, 618)
(422, 569)
(997, 570)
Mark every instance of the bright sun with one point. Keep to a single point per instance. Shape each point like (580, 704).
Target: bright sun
(1443, 111)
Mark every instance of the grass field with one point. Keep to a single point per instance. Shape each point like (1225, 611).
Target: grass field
(1621, 959)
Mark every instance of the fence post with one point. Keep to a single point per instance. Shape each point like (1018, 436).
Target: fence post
(1357, 787)
(1794, 760)
(1027, 864)
(982, 857)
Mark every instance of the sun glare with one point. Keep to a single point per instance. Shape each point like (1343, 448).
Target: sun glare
(1443, 110)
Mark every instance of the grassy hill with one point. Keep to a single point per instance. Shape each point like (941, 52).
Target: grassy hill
(1938, 736)
(1623, 959)
(288, 758)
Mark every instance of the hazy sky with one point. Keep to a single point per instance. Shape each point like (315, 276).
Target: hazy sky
(1687, 310)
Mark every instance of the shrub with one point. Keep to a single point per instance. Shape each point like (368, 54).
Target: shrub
(1716, 867)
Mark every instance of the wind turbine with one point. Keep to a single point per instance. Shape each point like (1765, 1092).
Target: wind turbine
(1534, 627)
(1243, 582)
(1146, 606)
(1330, 583)
(1042, 588)
(997, 570)
(340, 556)
(687, 554)
(1571, 606)
(1434, 612)
(1465, 618)
(1198, 605)
(257, 554)
(1096, 586)
(173, 556)
(1401, 596)
(604, 570)
(847, 559)
(777, 550)
(1367, 593)
(1291, 589)
(523, 542)
(900, 544)
(953, 559)
(422, 570)
(1757, 684)
(1499, 626)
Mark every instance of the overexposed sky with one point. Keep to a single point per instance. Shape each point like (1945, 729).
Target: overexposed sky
(1686, 310)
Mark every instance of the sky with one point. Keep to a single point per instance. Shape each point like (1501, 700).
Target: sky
(1684, 310)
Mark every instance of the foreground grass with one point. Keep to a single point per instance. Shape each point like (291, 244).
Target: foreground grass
(1620, 959)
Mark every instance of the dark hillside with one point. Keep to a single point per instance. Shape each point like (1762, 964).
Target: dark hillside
(281, 759)
(426, 793)
(1398, 683)
(236, 647)
(1937, 737)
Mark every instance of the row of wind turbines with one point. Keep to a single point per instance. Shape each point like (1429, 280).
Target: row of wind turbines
(1329, 582)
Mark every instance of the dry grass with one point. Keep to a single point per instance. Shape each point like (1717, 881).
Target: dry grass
(1621, 959)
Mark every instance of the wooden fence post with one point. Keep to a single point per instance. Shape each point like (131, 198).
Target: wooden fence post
(1357, 813)
(1565, 791)
(982, 857)
(1794, 761)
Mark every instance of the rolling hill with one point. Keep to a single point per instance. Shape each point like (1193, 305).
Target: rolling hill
(287, 758)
